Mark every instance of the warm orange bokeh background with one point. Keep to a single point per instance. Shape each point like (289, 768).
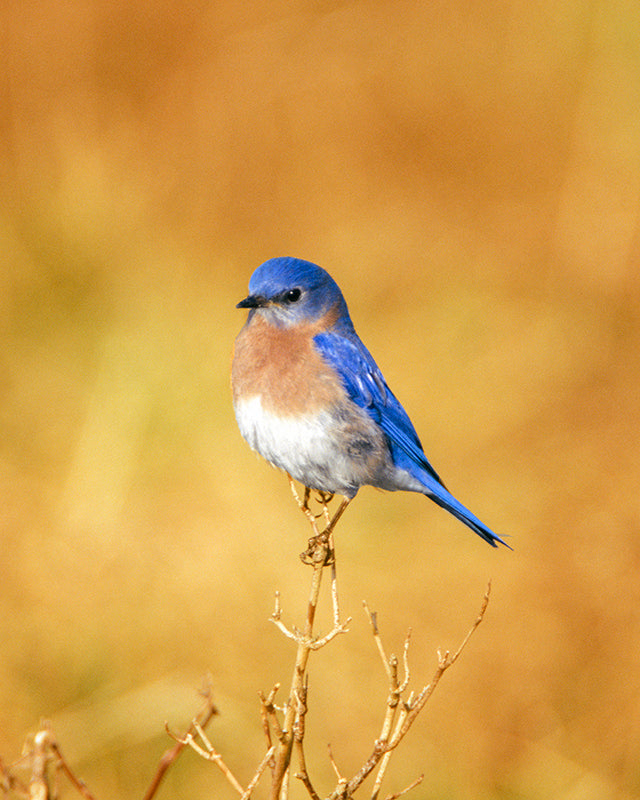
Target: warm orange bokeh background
(470, 174)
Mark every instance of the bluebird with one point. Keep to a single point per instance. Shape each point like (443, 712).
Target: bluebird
(311, 400)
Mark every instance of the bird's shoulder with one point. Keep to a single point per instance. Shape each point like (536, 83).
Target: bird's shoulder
(360, 374)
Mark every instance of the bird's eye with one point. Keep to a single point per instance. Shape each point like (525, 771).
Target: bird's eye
(292, 296)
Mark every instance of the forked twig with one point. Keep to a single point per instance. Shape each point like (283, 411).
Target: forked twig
(342, 781)
(269, 716)
(258, 773)
(169, 757)
(320, 554)
(445, 661)
(64, 767)
(206, 751)
(42, 756)
(396, 690)
(283, 726)
(408, 711)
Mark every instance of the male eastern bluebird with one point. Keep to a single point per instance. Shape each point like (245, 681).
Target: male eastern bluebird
(309, 397)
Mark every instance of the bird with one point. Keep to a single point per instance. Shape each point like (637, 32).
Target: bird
(310, 399)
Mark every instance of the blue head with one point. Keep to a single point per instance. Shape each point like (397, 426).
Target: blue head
(289, 291)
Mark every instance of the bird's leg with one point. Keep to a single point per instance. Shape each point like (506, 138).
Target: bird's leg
(325, 498)
(303, 504)
(334, 520)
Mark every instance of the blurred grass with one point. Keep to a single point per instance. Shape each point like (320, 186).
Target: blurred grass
(470, 176)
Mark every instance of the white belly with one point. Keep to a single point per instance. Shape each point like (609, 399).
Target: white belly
(336, 453)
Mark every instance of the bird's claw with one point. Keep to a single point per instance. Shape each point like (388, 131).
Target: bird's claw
(319, 552)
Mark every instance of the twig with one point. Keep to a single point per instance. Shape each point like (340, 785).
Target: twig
(408, 788)
(444, 662)
(409, 711)
(261, 768)
(342, 781)
(208, 752)
(386, 756)
(270, 716)
(267, 708)
(169, 756)
(298, 736)
(373, 619)
(9, 782)
(405, 663)
(343, 627)
(319, 553)
(276, 618)
(79, 784)
(396, 690)
(303, 505)
(41, 756)
(334, 520)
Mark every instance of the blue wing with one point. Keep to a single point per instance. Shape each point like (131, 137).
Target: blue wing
(368, 389)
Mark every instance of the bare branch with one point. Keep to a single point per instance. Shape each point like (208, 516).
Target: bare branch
(303, 776)
(298, 735)
(276, 618)
(411, 786)
(334, 521)
(386, 757)
(78, 784)
(283, 725)
(319, 554)
(9, 782)
(169, 756)
(261, 768)
(395, 693)
(409, 710)
(43, 756)
(373, 619)
(343, 627)
(445, 661)
(405, 663)
(40, 757)
(303, 505)
(334, 586)
(271, 717)
(380, 747)
(207, 752)
(342, 782)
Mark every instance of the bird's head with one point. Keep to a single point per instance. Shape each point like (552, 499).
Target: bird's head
(288, 292)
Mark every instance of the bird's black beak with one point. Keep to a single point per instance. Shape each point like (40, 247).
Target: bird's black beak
(253, 301)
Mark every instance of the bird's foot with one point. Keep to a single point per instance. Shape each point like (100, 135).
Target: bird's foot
(320, 551)
(324, 498)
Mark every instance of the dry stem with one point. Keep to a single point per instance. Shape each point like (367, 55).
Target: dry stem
(43, 757)
(169, 756)
(320, 554)
(284, 729)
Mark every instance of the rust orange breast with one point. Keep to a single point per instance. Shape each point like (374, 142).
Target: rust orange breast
(283, 368)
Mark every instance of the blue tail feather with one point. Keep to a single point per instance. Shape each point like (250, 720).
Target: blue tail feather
(446, 500)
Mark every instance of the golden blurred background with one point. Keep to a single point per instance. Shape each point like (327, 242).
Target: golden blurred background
(470, 175)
